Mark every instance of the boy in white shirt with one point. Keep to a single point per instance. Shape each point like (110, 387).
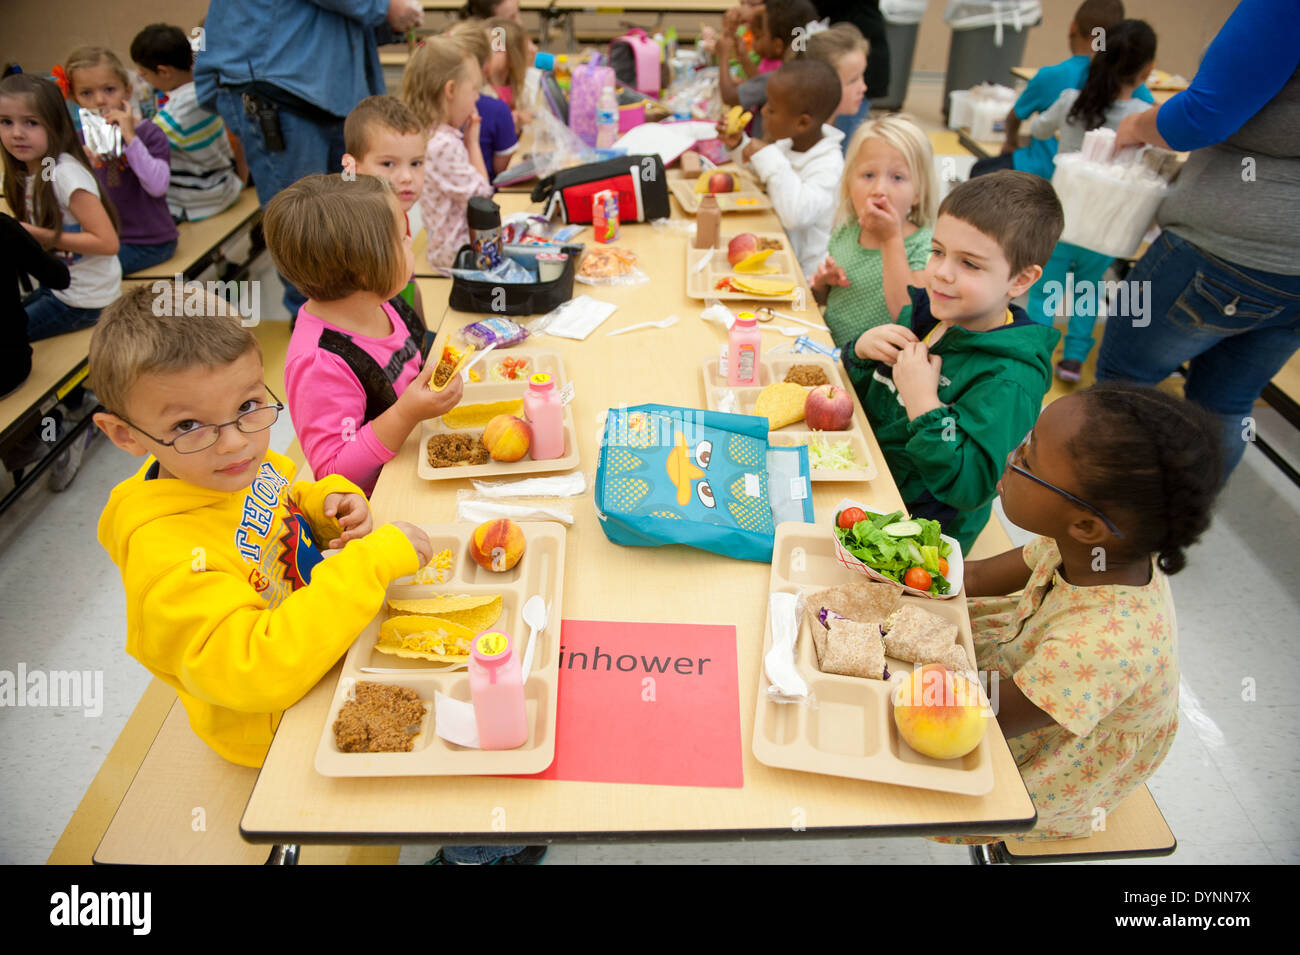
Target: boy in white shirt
(207, 167)
(801, 166)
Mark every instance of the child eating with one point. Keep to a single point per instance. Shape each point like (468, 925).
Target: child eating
(800, 163)
(774, 24)
(228, 599)
(952, 387)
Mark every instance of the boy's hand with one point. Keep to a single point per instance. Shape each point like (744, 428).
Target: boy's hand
(828, 274)
(730, 140)
(879, 220)
(751, 147)
(352, 512)
(421, 402)
(419, 540)
(884, 343)
(916, 376)
(124, 121)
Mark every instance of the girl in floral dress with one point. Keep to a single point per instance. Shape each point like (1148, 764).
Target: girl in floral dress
(1118, 480)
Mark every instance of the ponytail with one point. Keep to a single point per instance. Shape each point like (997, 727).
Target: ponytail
(1127, 47)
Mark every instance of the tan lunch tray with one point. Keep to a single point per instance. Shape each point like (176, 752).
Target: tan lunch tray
(851, 731)
(485, 391)
(539, 571)
(750, 197)
(774, 368)
(701, 281)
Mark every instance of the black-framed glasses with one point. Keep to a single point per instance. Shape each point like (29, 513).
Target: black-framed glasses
(1077, 502)
(205, 436)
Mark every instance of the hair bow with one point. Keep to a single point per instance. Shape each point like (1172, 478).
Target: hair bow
(813, 27)
(61, 78)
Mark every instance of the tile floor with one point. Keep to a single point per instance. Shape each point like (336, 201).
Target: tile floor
(1229, 790)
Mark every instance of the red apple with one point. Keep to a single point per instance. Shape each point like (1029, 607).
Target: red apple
(722, 182)
(741, 247)
(828, 408)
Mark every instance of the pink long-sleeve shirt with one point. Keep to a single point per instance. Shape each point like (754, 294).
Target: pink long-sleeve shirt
(450, 181)
(328, 403)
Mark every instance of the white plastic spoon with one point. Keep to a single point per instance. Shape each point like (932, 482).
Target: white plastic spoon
(535, 615)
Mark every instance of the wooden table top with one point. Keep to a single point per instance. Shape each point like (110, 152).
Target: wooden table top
(292, 802)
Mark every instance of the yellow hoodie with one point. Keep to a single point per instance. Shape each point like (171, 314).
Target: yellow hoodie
(217, 597)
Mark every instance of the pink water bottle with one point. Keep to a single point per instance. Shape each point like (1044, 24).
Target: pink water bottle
(544, 412)
(496, 687)
(744, 344)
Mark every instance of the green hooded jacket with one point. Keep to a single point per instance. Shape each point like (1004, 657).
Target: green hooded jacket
(947, 462)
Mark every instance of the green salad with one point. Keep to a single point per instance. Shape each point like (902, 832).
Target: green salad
(906, 550)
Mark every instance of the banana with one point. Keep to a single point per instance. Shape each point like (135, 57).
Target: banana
(737, 118)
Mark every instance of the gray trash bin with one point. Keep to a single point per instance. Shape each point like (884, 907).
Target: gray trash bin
(902, 23)
(988, 39)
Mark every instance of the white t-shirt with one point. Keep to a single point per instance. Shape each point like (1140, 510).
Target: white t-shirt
(96, 279)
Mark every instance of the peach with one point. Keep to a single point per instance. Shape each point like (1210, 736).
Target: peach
(741, 247)
(507, 438)
(497, 545)
(940, 713)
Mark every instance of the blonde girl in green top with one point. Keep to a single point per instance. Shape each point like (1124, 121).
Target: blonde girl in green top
(889, 161)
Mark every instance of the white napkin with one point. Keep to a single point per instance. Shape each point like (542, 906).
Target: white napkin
(576, 318)
(557, 485)
(479, 511)
(787, 685)
(454, 720)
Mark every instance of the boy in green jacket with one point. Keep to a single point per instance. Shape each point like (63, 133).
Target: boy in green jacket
(955, 386)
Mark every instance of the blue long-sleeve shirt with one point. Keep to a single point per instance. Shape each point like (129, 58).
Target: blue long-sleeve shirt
(322, 51)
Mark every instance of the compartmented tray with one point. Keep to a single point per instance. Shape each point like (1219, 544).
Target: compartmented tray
(485, 391)
(750, 197)
(539, 571)
(701, 281)
(773, 368)
(851, 733)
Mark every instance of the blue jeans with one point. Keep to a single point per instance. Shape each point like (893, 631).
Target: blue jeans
(1087, 268)
(134, 258)
(847, 124)
(1232, 355)
(47, 316)
(481, 855)
(310, 147)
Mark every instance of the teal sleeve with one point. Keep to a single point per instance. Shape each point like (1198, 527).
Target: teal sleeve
(960, 450)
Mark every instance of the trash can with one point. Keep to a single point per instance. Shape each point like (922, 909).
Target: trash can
(902, 23)
(988, 39)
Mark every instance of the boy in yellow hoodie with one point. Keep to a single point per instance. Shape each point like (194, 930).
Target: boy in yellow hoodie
(227, 597)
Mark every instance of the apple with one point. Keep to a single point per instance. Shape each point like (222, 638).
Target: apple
(507, 438)
(939, 713)
(741, 247)
(722, 182)
(828, 408)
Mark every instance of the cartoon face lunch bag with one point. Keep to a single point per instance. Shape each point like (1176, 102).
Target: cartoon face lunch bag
(702, 478)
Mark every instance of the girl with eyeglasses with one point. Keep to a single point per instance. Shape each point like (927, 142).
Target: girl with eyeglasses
(1118, 480)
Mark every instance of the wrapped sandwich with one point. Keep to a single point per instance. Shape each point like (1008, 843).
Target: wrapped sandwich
(857, 612)
(919, 636)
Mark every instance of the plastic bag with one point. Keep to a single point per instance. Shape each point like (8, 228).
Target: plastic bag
(695, 96)
(553, 485)
(470, 506)
(500, 332)
(556, 146)
(784, 611)
(610, 265)
(509, 272)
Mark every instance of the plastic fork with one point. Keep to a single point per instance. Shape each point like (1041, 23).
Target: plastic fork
(668, 322)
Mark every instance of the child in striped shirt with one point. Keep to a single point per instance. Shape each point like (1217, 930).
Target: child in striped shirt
(207, 166)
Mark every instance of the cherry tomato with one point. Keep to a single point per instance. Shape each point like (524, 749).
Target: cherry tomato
(943, 567)
(918, 578)
(850, 516)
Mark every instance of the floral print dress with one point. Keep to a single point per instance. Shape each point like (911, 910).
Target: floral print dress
(1103, 663)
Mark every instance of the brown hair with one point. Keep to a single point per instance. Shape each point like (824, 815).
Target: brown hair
(434, 64)
(1017, 209)
(835, 44)
(89, 57)
(141, 334)
(386, 112)
(332, 236)
(1097, 15)
(60, 137)
(516, 48)
(473, 36)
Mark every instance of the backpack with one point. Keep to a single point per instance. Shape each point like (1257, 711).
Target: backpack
(635, 58)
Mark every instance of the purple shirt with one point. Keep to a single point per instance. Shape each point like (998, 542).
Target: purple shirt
(496, 135)
(140, 193)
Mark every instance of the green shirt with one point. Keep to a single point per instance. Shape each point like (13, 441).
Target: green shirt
(851, 311)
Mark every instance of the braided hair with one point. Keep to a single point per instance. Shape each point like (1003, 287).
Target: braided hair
(1156, 459)
(1129, 46)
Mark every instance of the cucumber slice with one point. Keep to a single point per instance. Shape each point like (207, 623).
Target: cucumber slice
(903, 529)
(914, 553)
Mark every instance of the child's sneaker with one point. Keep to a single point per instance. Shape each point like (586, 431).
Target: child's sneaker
(1069, 370)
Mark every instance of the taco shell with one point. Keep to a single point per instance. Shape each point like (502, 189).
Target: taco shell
(425, 638)
(475, 614)
(781, 404)
(755, 285)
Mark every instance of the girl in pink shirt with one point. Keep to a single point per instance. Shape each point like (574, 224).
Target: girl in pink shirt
(441, 85)
(355, 373)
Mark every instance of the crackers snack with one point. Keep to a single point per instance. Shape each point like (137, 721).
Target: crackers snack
(781, 404)
(607, 263)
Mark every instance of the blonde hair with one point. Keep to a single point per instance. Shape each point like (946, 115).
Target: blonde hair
(434, 64)
(902, 132)
(473, 36)
(516, 49)
(332, 236)
(134, 337)
(89, 57)
(836, 43)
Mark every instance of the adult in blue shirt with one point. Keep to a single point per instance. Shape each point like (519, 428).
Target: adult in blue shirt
(1088, 27)
(1222, 281)
(284, 74)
